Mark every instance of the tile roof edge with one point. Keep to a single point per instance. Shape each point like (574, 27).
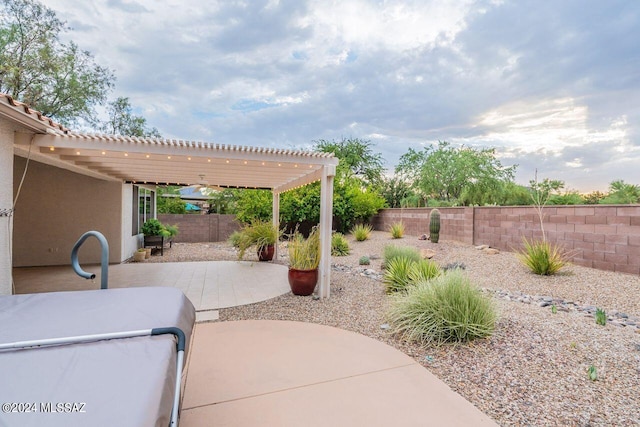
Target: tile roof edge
(34, 114)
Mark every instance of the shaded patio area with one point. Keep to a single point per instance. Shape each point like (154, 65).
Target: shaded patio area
(208, 285)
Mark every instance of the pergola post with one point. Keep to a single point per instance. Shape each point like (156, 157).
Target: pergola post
(276, 218)
(326, 219)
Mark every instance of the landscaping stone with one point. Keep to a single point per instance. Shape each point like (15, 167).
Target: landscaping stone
(427, 253)
(614, 317)
(491, 251)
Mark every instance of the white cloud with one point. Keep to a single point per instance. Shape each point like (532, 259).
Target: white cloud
(556, 94)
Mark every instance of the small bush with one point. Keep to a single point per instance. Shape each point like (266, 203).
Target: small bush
(339, 245)
(361, 232)
(446, 309)
(396, 276)
(454, 265)
(423, 270)
(234, 239)
(601, 317)
(542, 257)
(391, 252)
(364, 260)
(397, 230)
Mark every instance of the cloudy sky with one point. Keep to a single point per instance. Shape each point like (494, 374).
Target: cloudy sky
(552, 85)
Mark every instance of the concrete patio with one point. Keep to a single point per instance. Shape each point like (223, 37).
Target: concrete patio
(277, 373)
(208, 285)
(280, 373)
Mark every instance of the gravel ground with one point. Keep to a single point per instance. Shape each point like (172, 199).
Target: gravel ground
(532, 371)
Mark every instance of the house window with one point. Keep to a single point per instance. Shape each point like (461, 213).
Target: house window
(143, 208)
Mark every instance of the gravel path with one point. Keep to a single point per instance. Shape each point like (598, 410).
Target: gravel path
(532, 371)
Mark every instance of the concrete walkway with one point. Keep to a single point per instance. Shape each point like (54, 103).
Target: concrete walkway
(277, 373)
(208, 285)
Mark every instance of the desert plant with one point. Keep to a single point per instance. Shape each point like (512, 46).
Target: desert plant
(396, 276)
(364, 260)
(361, 232)
(542, 257)
(454, 265)
(593, 373)
(448, 308)
(304, 254)
(554, 309)
(234, 239)
(397, 230)
(434, 225)
(339, 245)
(423, 270)
(601, 317)
(392, 251)
(260, 234)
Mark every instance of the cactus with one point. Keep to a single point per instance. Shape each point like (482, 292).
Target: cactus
(434, 225)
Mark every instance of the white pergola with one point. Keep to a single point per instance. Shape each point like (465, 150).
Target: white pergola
(149, 161)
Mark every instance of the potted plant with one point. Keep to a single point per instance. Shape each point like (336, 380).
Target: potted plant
(304, 258)
(139, 255)
(156, 234)
(261, 234)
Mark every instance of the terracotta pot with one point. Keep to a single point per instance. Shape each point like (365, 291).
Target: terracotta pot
(266, 253)
(147, 253)
(138, 256)
(303, 282)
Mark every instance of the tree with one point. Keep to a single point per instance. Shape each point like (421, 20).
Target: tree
(170, 205)
(593, 198)
(357, 159)
(253, 205)
(397, 192)
(59, 80)
(622, 193)
(446, 172)
(122, 121)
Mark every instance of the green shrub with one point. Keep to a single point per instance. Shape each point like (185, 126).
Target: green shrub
(152, 227)
(397, 230)
(391, 252)
(396, 275)
(339, 245)
(601, 317)
(234, 239)
(259, 233)
(446, 309)
(542, 257)
(364, 260)
(361, 232)
(423, 270)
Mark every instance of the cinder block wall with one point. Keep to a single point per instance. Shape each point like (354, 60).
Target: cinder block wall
(201, 228)
(455, 223)
(605, 237)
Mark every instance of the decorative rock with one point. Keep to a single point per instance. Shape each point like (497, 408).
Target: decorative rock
(482, 247)
(427, 253)
(614, 317)
(423, 237)
(490, 251)
(384, 326)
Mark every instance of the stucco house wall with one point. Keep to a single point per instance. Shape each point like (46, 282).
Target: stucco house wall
(6, 192)
(56, 207)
